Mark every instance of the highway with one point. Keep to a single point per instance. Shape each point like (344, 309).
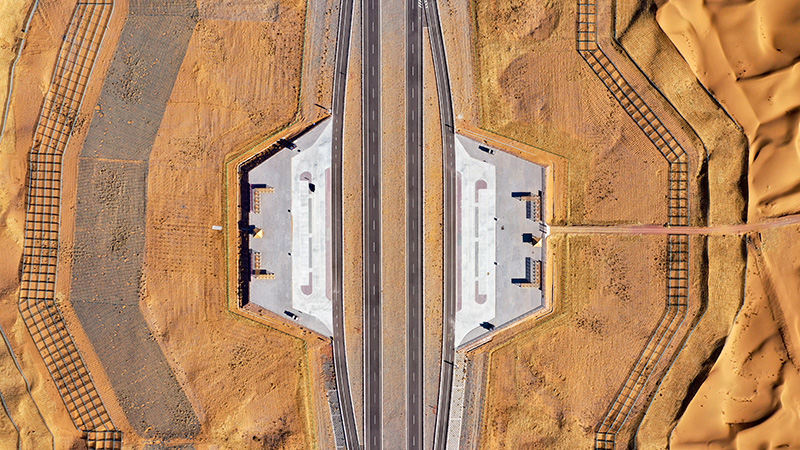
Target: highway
(414, 308)
(371, 183)
(448, 144)
(339, 348)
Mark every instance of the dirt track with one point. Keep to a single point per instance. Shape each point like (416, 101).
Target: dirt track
(742, 228)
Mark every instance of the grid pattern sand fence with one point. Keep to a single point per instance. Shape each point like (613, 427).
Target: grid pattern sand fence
(37, 302)
(108, 282)
(675, 310)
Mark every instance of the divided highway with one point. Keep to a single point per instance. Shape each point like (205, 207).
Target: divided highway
(339, 350)
(448, 142)
(371, 183)
(414, 308)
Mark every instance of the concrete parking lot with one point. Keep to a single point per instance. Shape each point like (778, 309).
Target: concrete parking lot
(501, 238)
(290, 237)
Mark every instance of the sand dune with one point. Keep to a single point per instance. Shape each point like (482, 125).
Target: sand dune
(747, 53)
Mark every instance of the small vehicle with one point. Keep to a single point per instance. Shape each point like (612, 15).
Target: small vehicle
(486, 149)
(487, 325)
(291, 315)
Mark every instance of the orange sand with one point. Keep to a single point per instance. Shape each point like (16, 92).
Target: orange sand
(214, 109)
(34, 406)
(745, 54)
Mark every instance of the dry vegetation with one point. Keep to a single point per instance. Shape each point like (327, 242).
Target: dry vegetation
(551, 380)
(224, 95)
(534, 88)
(30, 397)
(746, 55)
(248, 384)
(550, 384)
(741, 391)
(433, 239)
(557, 376)
(528, 90)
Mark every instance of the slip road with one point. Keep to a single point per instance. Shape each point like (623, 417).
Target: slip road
(448, 141)
(339, 352)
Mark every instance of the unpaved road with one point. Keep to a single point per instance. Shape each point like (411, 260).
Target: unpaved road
(743, 228)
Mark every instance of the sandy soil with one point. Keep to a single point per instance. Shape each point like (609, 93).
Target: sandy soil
(209, 115)
(352, 208)
(13, 17)
(393, 222)
(550, 384)
(21, 423)
(533, 87)
(725, 143)
(745, 54)
(456, 17)
(33, 400)
(720, 302)
(725, 203)
(750, 397)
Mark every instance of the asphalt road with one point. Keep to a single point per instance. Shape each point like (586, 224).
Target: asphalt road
(414, 309)
(339, 352)
(371, 133)
(448, 142)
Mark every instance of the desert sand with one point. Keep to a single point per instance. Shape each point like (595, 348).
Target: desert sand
(352, 221)
(33, 416)
(209, 114)
(510, 39)
(557, 373)
(745, 54)
(270, 404)
(393, 220)
(518, 82)
(433, 238)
